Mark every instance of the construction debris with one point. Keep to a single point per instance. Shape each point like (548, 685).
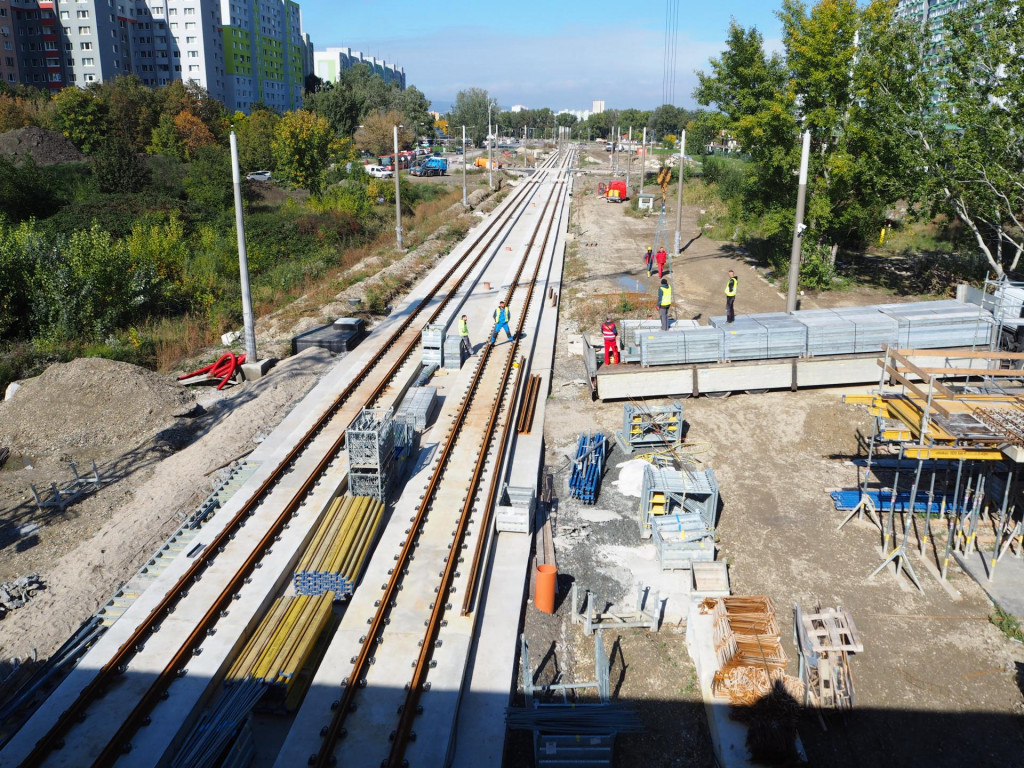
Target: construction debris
(70, 492)
(824, 641)
(15, 594)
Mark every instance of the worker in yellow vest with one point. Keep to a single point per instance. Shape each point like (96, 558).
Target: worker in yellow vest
(730, 296)
(466, 347)
(664, 302)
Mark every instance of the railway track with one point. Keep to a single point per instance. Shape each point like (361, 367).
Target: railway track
(450, 522)
(318, 448)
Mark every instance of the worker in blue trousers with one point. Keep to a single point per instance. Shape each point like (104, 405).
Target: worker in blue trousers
(501, 317)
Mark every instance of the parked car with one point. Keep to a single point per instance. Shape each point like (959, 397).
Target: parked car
(379, 171)
(258, 176)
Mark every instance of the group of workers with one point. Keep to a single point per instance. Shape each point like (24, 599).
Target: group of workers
(502, 316)
(652, 260)
(610, 333)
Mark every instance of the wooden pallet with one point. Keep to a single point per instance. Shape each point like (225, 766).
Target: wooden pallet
(832, 630)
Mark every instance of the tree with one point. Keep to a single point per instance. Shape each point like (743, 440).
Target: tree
(132, 109)
(376, 134)
(415, 109)
(256, 134)
(304, 148)
(208, 181)
(972, 146)
(118, 167)
(566, 120)
(339, 105)
(193, 133)
(702, 130)
(81, 117)
(470, 110)
(165, 140)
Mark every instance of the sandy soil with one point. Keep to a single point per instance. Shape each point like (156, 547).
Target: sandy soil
(938, 690)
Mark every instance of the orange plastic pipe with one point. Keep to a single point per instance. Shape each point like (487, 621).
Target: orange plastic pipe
(544, 591)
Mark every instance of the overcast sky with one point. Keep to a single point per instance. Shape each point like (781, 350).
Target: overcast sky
(537, 53)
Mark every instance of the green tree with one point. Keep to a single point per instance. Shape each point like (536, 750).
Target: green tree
(20, 247)
(415, 109)
(339, 105)
(255, 139)
(25, 191)
(972, 146)
(165, 140)
(118, 167)
(81, 117)
(208, 181)
(376, 134)
(470, 110)
(304, 148)
(132, 109)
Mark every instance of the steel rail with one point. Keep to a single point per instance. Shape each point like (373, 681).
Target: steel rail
(468, 598)
(54, 737)
(324, 756)
(403, 732)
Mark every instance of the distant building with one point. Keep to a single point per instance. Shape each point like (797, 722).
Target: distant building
(579, 114)
(597, 107)
(239, 52)
(517, 108)
(329, 64)
(929, 14)
(8, 52)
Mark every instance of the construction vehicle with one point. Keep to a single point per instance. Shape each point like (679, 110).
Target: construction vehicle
(432, 166)
(481, 162)
(615, 192)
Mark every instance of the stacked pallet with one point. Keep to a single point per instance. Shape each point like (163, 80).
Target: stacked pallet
(748, 648)
(417, 407)
(335, 557)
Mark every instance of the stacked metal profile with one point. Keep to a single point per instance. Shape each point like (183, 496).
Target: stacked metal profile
(335, 557)
(432, 339)
(283, 643)
(691, 345)
(787, 336)
(370, 441)
(226, 722)
(417, 407)
(920, 325)
(679, 510)
(929, 324)
(587, 468)
(453, 351)
(650, 427)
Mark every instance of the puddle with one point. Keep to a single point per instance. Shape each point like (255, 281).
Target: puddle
(630, 284)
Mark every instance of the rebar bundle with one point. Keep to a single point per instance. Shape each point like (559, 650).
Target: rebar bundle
(747, 646)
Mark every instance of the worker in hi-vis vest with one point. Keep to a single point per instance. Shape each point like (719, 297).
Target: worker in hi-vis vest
(502, 315)
(611, 341)
(664, 302)
(467, 347)
(730, 296)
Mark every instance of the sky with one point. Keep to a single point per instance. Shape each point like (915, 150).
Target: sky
(538, 53)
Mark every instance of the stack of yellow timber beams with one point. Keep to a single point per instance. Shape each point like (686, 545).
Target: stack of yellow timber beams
(284, 641)
(335, 557)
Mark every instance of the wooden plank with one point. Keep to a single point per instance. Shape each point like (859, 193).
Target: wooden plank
(913, 368)
(974, 372)
(975, 355)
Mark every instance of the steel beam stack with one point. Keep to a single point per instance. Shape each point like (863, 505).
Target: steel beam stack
(432, 338)
(787, 336)
(873, 331)
(453, 352)
(948, 323)
(828, 333)
(744, 339)
(335, 557)
(650, 427)
(370, 442)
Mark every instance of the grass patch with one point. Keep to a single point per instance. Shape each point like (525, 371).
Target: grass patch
(1008, 624)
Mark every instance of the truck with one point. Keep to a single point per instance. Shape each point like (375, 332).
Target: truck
(432, 166)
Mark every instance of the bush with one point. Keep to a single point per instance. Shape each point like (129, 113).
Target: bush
(817, 270)
(118, 168)
(730, 176)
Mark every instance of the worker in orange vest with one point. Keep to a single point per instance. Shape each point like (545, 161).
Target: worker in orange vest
(661, 257)
(611, 341)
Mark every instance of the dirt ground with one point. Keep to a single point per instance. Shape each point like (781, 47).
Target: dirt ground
(937, 682)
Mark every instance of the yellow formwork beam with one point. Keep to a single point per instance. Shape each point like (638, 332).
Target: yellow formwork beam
(951, 452)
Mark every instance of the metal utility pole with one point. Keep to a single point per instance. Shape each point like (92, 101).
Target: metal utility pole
(249, 328)
(464, 166)
(629, 157)
(643, 160)
(615, 149)
(679, 204)
(798, 227)
(490, 143)
(398, 199)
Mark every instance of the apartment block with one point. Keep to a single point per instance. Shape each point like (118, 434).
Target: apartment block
(239, 51)
(329, 64)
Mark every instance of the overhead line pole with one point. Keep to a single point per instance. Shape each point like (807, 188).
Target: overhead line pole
(679, 204)
(798, 227)
(249, 327)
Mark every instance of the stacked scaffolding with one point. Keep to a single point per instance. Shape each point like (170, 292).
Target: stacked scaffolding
(650, 427)
(432, 338)
(417, 407)
(335, 557)
(587, 468)
(679, 509)
(370, 442)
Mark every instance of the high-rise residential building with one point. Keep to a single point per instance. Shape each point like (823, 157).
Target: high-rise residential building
(930, 15)
(240, 52)
(329, 64)
(8, 53)
(597, 107)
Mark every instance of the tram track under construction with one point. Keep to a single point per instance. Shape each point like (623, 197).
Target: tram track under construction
(137, 695)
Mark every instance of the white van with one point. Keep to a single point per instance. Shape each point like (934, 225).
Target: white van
(378, 171)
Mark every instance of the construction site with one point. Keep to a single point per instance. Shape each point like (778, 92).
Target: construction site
(792, 538)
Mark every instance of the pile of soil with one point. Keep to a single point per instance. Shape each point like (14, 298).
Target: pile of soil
(90, 403)
(44, 147)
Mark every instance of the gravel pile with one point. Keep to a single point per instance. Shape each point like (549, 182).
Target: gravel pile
(44, 147)
(100, 405)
